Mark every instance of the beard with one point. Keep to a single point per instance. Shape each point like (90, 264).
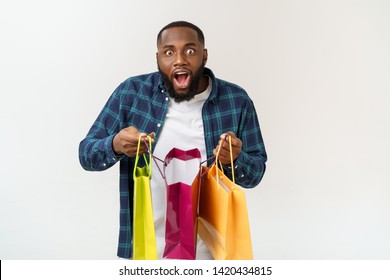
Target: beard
(192, 91)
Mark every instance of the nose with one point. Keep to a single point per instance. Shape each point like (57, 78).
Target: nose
(180, 59)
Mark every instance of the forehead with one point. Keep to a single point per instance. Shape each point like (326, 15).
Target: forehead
(177, 36)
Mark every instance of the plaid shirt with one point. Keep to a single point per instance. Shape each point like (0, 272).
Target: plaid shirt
(142, 102)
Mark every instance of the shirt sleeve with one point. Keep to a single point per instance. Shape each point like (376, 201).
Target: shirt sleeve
(95, 150)
(249, 166)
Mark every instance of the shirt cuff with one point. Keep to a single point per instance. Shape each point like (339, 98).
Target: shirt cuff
(106, 147)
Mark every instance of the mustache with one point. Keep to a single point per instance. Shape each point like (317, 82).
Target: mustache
(194, 84)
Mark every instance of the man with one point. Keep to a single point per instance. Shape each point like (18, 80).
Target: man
(183, 105)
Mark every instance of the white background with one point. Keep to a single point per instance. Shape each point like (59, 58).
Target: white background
(318, 72)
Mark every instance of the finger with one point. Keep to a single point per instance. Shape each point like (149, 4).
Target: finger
(229, 133)
(152, 135)
(222, 155)
(218, 153)
(225, 149)
(225, 138)
(234, 139)
(134, 133)
(225, 152)
(146, 144)
(130, 137)
(143, 149)
(225, 144)
(132, 152)
(224, 160)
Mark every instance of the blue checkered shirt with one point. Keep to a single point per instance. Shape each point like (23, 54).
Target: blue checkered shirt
(142, 102)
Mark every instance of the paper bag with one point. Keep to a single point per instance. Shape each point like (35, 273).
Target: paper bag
(223, 222)
(182, 203)
(144, 237)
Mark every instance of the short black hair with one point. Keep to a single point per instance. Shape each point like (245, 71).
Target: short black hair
(182, 24)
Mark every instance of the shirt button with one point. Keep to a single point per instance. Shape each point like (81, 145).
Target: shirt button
(159, 125)
(162, 90)
(166, 98)
(242, 175)
(104, 165)
(114, 159)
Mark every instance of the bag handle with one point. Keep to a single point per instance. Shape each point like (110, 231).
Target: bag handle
(149, 165)
(174, 153)
(231, 157)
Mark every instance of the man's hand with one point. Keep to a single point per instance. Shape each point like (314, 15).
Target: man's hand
(224, 154)
(126, 141)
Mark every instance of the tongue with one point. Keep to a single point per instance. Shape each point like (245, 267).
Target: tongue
(182, 80)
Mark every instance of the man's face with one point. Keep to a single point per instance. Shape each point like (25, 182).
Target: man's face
(181, 59)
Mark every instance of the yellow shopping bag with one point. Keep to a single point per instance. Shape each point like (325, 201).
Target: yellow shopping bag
(223, 222)
(144, 236)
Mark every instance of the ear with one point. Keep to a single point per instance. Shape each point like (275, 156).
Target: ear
(205, 56)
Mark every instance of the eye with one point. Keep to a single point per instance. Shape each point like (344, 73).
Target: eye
(168, 53)
(190, 51)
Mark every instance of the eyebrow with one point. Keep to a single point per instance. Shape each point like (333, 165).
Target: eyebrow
(190, 44)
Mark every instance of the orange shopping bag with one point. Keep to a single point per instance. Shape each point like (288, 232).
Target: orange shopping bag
(223, 222)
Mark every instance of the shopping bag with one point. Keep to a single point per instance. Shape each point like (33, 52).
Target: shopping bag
(223, 222)
(144, 237)
(182, 203)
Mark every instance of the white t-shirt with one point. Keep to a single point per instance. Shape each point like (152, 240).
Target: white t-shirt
(182, 129)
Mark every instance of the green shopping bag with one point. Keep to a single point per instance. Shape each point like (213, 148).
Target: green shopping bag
(144, 236)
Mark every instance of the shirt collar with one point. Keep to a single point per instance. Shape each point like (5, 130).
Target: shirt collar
(214, 91)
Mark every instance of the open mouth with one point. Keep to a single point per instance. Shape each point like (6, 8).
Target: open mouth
(181, 79)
